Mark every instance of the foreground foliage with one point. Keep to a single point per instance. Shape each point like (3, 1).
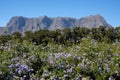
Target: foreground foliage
(86, 60)
(78, 54)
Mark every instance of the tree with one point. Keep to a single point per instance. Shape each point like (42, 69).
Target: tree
(16, 35)
(67, 34)
(39, 37)
(76, 34)
(4, 39)
(102, 30)
(79, 33)
(28, 35)
(111, 35)
(118, 33)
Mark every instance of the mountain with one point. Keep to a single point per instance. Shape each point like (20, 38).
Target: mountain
(16, 24)
(1, 30)
(93, 21)
(22, 24)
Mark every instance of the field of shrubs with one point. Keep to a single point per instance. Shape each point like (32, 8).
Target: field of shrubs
(87, 58)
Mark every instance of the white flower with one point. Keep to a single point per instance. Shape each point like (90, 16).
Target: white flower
(84, 78)
(0, 72)
(70, 70)
(110, 78)
(116, 71)
(117, 64)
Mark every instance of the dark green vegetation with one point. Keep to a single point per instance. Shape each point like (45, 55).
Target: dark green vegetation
(68, 54)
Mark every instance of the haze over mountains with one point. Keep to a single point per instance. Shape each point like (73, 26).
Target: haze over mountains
(22, 24)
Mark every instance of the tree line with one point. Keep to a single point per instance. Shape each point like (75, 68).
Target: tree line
(66, 36)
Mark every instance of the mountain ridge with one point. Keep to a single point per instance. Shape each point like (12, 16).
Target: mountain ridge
(22, 24)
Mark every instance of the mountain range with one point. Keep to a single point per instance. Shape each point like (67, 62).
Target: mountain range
(22, 24)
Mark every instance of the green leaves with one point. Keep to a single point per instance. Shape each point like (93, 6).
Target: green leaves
(47, 55)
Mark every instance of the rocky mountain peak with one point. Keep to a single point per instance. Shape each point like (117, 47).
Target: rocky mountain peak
(16, 24)
(22, 24)
(93, 21)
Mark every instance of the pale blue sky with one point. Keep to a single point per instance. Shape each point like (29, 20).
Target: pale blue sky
(109, 9)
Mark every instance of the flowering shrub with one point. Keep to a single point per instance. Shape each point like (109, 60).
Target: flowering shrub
(88, 60)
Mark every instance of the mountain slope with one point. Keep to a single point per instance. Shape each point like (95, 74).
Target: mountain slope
(1, 30)
(93, 21)
(23, 24)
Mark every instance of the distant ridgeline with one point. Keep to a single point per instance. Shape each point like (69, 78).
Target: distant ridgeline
(22, 24)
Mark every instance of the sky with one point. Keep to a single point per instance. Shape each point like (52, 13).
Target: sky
(109, 9)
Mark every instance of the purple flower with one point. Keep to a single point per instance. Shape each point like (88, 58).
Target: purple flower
(17, 65)
(11, 66)
(108, 70)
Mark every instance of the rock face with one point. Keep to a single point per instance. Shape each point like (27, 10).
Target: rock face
(23, 24)
(1, 30)
(93, 21)
(16, 24)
